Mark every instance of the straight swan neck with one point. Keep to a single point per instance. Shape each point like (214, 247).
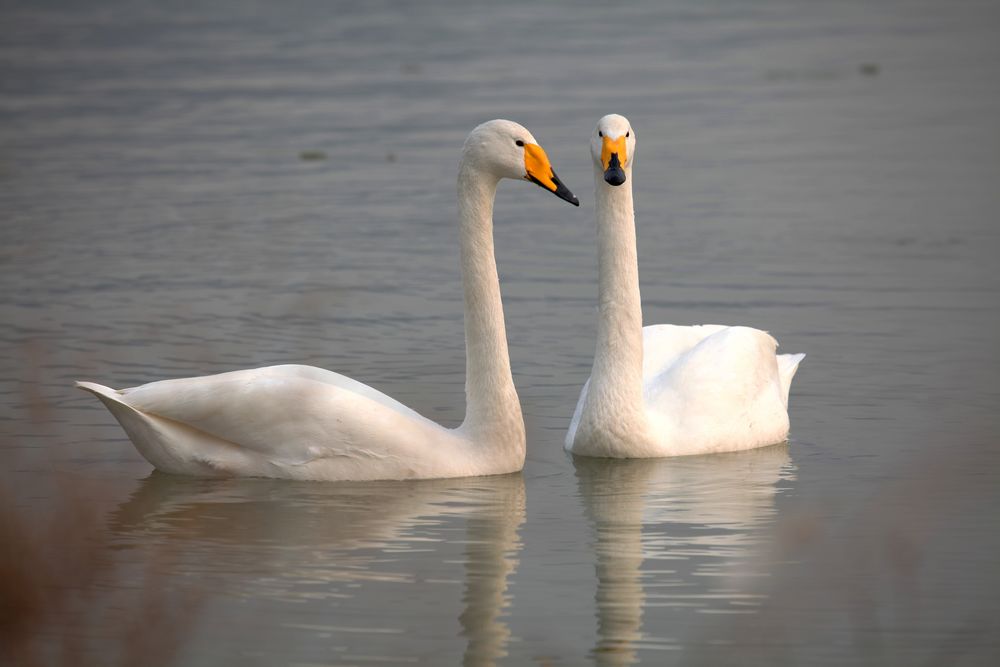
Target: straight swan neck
(616, 379)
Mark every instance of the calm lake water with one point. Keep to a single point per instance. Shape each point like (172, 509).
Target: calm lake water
(829, 172)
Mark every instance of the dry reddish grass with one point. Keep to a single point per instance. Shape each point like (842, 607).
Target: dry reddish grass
(68, 594)
(69, 597)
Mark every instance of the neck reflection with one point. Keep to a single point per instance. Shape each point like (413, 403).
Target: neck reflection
(492, 546)
(307, 543)
(699, 515)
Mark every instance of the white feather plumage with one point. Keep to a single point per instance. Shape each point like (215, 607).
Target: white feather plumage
(667, 390)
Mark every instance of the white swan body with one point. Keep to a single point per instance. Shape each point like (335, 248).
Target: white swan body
(301, 422)
(666, 390)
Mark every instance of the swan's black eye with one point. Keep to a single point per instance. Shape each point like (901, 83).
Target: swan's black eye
(628, 133)
(600, 134)
(519, 142)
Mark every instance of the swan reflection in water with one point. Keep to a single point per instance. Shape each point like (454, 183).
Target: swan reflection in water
(699, 514)
(305, 542)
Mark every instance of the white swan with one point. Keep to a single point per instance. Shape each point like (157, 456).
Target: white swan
(301, 422)
(666, 390)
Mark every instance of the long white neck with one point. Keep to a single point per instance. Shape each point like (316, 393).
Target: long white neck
(616, 378)
(493, 411)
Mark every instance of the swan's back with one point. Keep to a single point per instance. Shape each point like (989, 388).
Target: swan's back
(710, 388)
(662, 344)
(189, 397)
(726, 392)
(283, 421)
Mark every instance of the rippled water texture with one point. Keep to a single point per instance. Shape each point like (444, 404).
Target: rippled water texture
(187, 188)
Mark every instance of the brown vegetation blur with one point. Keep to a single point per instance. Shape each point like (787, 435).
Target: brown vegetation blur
(69, 595)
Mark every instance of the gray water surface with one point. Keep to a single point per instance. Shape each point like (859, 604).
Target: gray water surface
(825, 171)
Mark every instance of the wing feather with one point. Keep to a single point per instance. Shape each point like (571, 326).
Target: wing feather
(292, 414)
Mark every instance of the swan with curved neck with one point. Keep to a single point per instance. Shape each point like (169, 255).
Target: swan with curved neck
(301, 422)
(666, 390)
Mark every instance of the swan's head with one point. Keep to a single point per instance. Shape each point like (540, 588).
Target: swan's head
(507, 150)
(613, 148)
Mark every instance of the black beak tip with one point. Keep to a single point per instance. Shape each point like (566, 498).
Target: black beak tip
(563, 192)
(614, 176)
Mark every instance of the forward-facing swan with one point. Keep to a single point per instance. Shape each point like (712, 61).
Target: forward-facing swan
(302, 422)
(666, 390)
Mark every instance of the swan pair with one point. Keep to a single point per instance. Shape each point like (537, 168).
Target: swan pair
(657, 391)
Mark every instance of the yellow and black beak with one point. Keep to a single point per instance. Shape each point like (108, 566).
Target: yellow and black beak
(613, 156)
(538, 170)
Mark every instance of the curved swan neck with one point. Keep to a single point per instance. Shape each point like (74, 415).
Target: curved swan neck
(617, 371)
(492, 407)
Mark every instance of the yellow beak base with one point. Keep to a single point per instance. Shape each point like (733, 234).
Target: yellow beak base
(538, 170)
(613, 157)
(613, 147)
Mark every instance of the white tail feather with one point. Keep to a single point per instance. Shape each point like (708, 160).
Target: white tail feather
(787, 365)
(169, 445)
